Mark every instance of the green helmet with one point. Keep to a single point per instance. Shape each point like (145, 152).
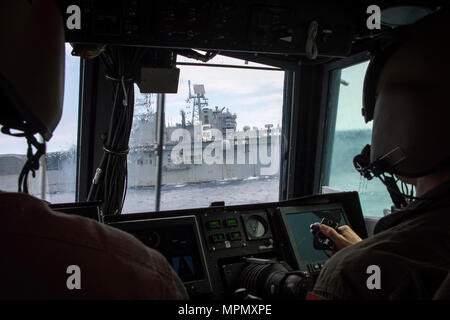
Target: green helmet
(406, 94)
(31, 66)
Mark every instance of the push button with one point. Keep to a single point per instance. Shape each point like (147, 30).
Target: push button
(214, 224)
(314, 267)
(218, 237)
(233, 222)
(234, 236)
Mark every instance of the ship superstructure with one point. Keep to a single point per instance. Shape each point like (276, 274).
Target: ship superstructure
(205, 133)
(201, 126)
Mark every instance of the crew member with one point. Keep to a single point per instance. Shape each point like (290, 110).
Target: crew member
(406, 93)
(46, 254)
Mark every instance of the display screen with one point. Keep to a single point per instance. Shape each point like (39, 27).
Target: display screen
(298, 225)
(179, 245)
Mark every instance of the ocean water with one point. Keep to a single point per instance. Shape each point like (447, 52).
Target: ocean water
(374, 198)
(343, 176)
(346, 145)
(196, 195)
(182, 196)
(373, 195)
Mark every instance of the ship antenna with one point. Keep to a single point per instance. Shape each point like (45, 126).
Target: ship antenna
(198, 101)
(189, 84)
(183, 119)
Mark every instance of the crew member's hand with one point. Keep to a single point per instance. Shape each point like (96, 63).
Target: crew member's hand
(343, 238)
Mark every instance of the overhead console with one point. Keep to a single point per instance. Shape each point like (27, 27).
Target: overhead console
(262, 250)
(279, 27)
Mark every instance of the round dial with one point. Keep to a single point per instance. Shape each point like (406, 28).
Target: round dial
(256, 227)
(153, 239)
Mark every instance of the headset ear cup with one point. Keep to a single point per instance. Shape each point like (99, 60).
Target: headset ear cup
(361, 162)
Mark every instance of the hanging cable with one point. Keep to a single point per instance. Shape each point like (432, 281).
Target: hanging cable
(32, 162)
(408, 196)
(189, 53)
(109, 184)
(311, 43)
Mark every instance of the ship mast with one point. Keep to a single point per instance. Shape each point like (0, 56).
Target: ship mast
(199, 101)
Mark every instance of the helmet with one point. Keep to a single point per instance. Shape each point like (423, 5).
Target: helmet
(406, 94)
(31, 66)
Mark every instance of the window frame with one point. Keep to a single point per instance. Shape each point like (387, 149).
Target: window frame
(328, 122)
(89, 71)
(300, 175)
(95, 102)
(305, 105)
(48, 165)
(158, 186)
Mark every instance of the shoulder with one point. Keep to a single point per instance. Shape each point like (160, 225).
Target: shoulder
(400, 267)
(340, 274)
(95, 245)
(27, 215)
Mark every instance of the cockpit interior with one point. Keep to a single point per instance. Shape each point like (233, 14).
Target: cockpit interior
(219, 133)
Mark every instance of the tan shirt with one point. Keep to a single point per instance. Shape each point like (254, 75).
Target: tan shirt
(411, 248)
(39, 245)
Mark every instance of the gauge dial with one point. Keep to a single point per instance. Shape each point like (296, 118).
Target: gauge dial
(256, 227)
(153, 239)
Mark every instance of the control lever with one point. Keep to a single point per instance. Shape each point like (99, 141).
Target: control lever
(270, 279)
(242, 294)
(259, 261)
(321, 242)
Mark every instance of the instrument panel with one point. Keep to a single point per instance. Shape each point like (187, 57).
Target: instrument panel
(178, 240)
(235, 229)
(217, 251)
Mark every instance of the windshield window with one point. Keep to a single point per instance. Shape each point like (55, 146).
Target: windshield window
(347, 136)
(56, 179)
(221, 139)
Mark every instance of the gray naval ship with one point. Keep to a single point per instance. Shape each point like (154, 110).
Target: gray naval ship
(206, 147)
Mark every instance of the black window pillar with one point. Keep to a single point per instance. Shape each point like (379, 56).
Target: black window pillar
(306, 102)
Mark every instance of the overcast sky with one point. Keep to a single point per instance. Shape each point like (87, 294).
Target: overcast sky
(350, 99)
(256, 96)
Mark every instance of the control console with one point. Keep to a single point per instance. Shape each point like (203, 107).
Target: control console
(260, 251)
